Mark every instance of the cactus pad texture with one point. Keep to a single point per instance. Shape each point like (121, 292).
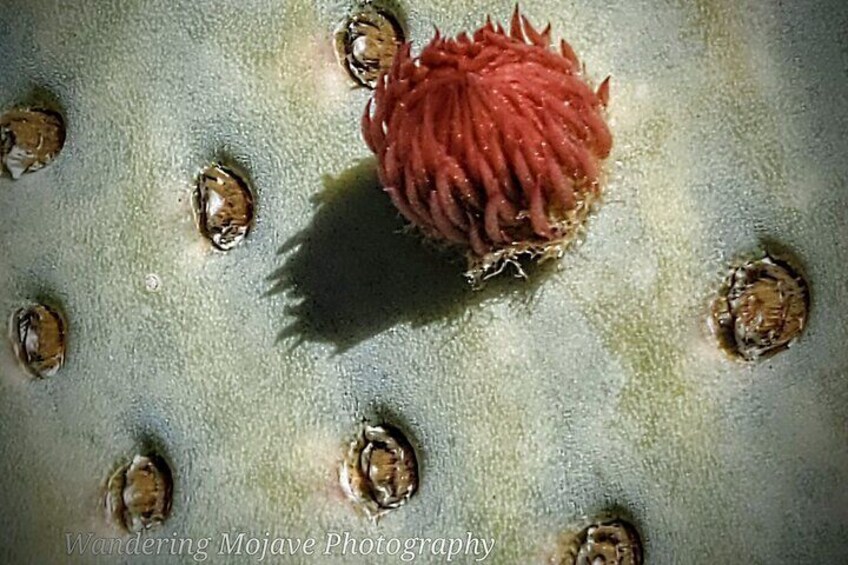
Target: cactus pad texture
(325, 338)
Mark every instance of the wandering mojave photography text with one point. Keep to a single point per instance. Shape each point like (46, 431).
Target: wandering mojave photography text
(467, 547)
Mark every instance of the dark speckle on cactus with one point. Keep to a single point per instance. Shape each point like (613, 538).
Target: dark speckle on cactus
(762, 309)
(367, 41)
(139, 493)
(30, 138)
(224, 206)
(606, 542)
(380, 471)
(38, 334)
